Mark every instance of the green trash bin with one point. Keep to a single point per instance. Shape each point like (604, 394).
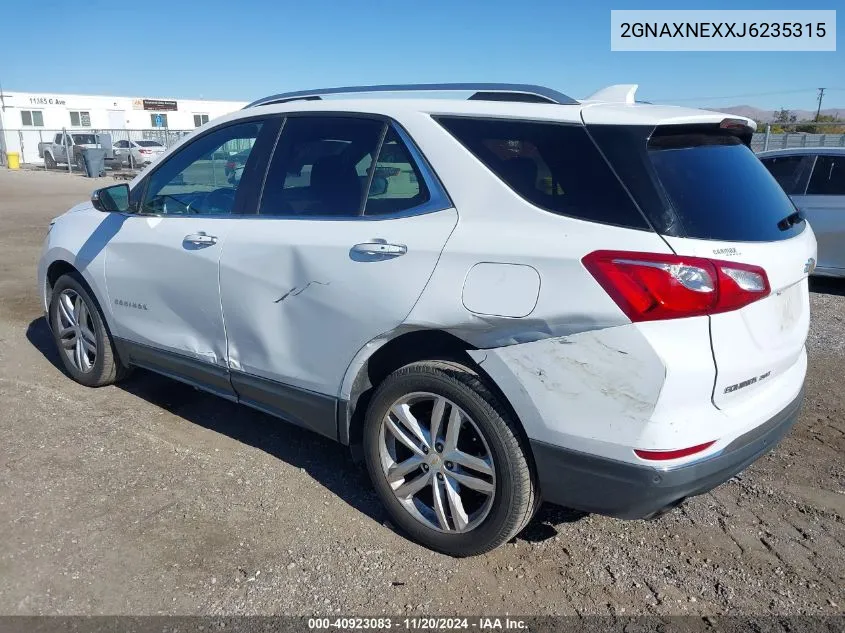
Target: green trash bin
(95, 161)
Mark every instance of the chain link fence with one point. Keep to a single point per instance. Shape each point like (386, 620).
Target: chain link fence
(32, 144)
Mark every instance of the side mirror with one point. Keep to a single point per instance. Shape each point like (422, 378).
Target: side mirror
(111, 199)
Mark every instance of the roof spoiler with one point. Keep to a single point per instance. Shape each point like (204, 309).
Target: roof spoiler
(618, 93)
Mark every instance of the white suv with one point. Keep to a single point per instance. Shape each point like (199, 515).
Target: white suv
(495, 301)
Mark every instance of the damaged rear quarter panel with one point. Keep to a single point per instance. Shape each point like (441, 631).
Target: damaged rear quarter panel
(579, 390)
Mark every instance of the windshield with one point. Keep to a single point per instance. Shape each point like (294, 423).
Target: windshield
(719, 189)
(84, 139)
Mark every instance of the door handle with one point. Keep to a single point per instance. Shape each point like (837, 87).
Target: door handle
(380, 247)
(200, 239)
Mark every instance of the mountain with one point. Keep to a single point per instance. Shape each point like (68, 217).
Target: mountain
(767, 115)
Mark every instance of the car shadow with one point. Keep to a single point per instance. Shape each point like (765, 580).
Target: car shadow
(827, 286)
(327, 462)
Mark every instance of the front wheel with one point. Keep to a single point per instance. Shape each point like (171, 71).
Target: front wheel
(49, 163)
(447, 460)
(85, 345)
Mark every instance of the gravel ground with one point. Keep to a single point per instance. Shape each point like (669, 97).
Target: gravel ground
(154, 498)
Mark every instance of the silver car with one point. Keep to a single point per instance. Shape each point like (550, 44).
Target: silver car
(814, 177)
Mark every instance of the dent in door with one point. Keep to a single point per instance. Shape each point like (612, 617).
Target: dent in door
(298, 306)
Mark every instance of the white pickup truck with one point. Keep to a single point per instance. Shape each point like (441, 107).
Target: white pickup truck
(57, 150)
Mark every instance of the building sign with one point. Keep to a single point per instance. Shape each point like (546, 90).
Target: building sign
(42, 101)
(158, 104)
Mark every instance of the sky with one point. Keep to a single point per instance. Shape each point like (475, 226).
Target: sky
(245, 49)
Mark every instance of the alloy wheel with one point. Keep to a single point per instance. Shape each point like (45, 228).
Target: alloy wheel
(76, 331)
(437, 462)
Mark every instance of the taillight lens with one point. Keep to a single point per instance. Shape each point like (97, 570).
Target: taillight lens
(659, 455)
(652, 286)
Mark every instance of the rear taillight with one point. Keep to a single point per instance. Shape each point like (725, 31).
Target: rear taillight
(146, 151)
(651, 286)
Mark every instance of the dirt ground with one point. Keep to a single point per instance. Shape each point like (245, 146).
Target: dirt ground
(155, 498)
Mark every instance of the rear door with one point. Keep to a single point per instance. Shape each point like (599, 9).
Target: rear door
(727, 206)
(824, 205)
(337, 255)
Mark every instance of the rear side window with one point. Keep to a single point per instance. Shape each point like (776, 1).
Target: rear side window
(828, 177)
(719, 189)
(321, 166)
(397, 184)
(553, 166)
(790, 171)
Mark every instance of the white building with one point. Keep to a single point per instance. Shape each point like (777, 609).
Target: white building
(27, 118)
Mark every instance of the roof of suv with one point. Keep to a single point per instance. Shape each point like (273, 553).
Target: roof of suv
(600, 113)
(612, 105)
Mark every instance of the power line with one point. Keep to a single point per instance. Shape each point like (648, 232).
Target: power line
(748, 94)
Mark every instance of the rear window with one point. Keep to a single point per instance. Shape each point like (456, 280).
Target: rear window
(553, 166)
(718, 188)
(148, 144)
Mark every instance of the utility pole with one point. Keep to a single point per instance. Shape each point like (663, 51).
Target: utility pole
(819, 109)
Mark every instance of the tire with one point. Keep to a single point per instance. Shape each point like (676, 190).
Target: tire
(487, 432)
(49, 163)
(104, 366)
(80, 162)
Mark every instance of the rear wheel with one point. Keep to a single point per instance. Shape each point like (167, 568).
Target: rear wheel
(447, 460)
(85, 345)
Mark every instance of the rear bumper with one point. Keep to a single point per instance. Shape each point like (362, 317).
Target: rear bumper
(631, 491)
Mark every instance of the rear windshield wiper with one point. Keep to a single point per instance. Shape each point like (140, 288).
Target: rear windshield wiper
(791, 220)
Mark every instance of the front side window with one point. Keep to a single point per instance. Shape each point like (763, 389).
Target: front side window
(321, 166)
(195, 180)
(553, 166)
(80, 119)
(828, 177)
(32, 118)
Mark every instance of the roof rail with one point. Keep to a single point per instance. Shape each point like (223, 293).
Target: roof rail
(481, 91)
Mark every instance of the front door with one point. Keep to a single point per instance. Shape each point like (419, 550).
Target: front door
(323, 268)
(162, 264)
